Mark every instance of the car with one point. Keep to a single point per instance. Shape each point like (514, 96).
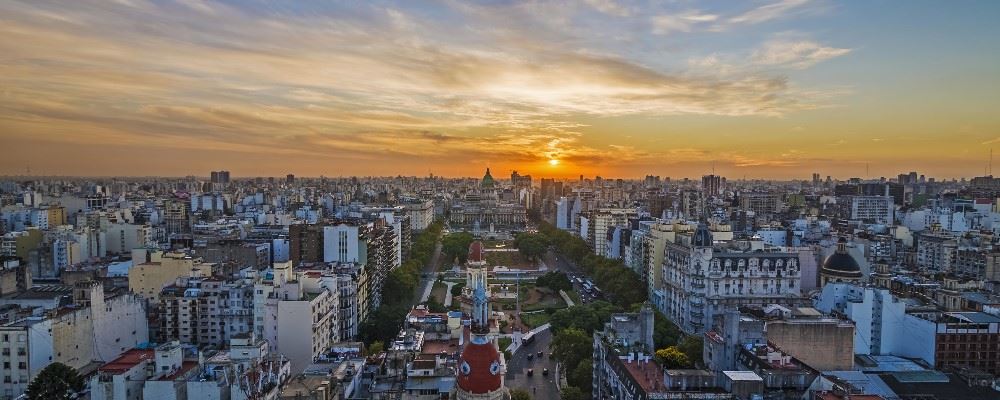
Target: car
(541, 354)
(531, 372)
(530, 356)
(545, 372)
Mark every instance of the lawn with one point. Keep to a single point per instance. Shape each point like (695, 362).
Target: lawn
(536, 298)
(439, 291)
(511, 259)
(535, 320)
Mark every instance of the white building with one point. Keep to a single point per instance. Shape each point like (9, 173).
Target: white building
(298, 317)
(123, 237)
(100, 329)
(882, 326)
(701, 279)
(421, 214)
(342, 244)
(878, 209)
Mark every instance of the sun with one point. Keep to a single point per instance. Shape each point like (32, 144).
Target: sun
(553, 162)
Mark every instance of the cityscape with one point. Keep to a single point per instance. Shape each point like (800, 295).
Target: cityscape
(499, 200)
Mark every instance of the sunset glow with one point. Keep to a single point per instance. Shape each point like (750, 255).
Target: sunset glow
(768, 88)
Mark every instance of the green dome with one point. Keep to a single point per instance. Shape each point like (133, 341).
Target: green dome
(487, 179)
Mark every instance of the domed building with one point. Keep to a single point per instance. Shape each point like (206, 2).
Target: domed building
(840, 267)
(480, 367)
(482, 212)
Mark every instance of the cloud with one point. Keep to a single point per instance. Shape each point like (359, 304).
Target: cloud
(355, 80)
(683, 22)
(767, 12)
(610, 7)
(795, 53)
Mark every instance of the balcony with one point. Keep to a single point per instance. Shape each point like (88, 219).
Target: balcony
(697, 314)
(698, 285)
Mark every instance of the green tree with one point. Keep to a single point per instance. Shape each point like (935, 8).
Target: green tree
(672, 358)
(435, 306)
(692, 347)
(572, 345)
(376, 347)
(555, 280)
(665, 333)
(456, 290)
(572, 393)
(519, 394)
(456, 245)
(582, 376)
(532, 245)
(56, 381)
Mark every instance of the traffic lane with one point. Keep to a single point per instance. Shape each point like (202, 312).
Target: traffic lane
(540, 386)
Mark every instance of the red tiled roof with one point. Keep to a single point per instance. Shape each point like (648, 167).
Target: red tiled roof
(647, 373)
(127, 361)
(476, 252)
(478, 378)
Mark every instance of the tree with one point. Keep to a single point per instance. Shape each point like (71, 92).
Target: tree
(376, 347)
(531, 245)
(435, 306)
(456, 290)
(665, 333)
(582, 376)
(572, 393)
(56, 381)
(672, 358)
(586, 317)
(555, 280)
(692, 347)
(571, 345)
(519, 394)
(456, 245)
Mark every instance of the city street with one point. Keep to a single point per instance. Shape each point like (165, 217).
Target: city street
(429, 275)
(540, 387)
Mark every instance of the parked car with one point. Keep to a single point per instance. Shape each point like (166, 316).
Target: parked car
(530, 356)
(545, 372)
(531, 372)
(541, 354)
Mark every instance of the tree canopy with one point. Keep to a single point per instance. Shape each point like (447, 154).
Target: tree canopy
(519, 394)
(571, 346)
(672, 358)
(572, 393)
(401, 283)
(456, 245)
(56, 381)
(555, 280)
(586, 317)
(531, 245)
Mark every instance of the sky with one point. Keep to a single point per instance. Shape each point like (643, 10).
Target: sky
(750, 89)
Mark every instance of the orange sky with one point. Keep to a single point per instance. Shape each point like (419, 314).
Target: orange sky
(763, 89)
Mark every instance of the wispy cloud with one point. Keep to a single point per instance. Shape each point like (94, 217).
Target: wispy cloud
(775, 10)
(795, 53)
(682, 22)
(355, 79)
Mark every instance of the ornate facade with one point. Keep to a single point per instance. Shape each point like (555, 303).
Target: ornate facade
(481, 212)
(480, 366)
(702, 279)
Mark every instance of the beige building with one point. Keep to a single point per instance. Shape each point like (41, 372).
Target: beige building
(824, 343)
(149, 278)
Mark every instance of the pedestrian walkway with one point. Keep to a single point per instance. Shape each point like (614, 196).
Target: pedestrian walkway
(447, 295)
(569, 301)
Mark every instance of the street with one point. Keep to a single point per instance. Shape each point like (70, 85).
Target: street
(429, 275)
(540, 386)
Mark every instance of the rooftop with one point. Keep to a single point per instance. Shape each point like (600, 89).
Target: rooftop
(648, 374)
(127, 361)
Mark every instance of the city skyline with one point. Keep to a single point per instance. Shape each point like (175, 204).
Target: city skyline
(773, 89)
